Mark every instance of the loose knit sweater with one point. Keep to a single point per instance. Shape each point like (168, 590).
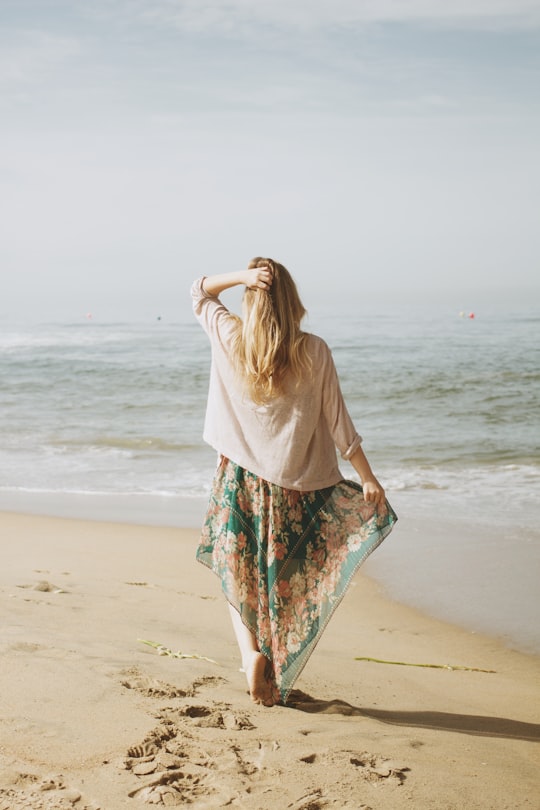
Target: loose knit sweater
(290, 440)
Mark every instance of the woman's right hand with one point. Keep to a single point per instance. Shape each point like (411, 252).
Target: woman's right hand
(259, 278)
(373, 492)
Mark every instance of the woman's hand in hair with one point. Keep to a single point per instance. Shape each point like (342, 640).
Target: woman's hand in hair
(259, 278)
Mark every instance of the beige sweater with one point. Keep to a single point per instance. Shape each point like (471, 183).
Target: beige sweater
(291, 440)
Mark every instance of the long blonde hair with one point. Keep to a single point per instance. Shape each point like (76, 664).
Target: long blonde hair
(269, 345)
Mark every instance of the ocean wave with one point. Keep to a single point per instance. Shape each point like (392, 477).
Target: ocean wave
(190, 492)
(506, 484)
(507, 479)
(143, 444)
(88, 332)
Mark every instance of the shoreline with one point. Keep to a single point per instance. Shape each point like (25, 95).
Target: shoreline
(136, 509)
(84, 698)
(454, 570)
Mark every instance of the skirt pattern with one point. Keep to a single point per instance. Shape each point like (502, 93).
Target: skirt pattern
(285, 558)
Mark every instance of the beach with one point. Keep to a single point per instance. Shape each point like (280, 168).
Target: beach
(95, 718)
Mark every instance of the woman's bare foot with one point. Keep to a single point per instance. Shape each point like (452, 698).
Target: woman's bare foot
(259, 687)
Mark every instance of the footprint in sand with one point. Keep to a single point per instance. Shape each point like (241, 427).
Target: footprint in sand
(24, 791)
(174, 787)
(220, 715)
(375, 768)
(44, 586)
(178, 762)
(153, 687)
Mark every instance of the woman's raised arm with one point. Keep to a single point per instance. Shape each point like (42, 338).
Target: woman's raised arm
(258, 278)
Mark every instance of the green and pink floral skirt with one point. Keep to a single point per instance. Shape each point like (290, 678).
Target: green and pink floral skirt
(286, 558)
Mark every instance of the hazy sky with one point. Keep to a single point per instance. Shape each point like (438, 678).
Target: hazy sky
(378, 148)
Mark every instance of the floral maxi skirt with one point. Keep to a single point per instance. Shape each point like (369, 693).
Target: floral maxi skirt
(286, 558)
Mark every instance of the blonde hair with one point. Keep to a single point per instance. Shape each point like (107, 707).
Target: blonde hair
(269, 345)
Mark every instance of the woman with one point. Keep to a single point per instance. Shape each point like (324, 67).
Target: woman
(284, 531)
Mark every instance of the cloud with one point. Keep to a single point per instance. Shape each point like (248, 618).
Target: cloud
(33, 55)
(241, 16)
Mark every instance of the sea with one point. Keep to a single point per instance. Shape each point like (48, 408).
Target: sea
(95, 414)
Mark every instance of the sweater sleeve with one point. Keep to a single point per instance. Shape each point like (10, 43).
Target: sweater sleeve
(339, 422)
(212, 314)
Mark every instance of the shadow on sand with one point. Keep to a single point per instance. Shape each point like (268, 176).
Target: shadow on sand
(478, 725)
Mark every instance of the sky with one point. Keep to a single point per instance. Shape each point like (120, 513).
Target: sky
(383, 150)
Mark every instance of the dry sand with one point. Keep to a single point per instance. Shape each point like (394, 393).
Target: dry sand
(92, 718)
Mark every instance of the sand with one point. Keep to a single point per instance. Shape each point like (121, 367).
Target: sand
(93, 718)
